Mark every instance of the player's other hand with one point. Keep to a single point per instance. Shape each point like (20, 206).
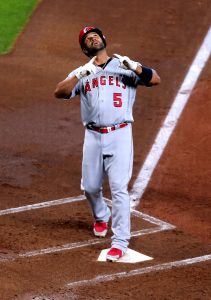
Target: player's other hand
(87, 69)
(127, 63)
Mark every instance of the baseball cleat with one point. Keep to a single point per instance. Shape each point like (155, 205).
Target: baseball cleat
(100, 229)
(114, 254)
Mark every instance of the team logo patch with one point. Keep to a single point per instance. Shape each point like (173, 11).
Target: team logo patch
(103, 80)
(86, 29)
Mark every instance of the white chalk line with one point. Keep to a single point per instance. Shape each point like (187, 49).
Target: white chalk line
(161, 226)
(72, 246)
(146, 217)
(63, 201)
(170, 122)
(151, 269)
(61, 248)
(151, 219)
(41, 205)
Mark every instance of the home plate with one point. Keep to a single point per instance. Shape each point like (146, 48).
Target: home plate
(130, 256)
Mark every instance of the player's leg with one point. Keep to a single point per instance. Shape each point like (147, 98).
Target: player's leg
(119, 170)
(92, 176)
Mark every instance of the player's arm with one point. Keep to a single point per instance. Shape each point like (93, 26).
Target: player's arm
(65, 87)
(149, 76)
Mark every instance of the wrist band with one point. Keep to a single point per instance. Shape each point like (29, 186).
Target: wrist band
(146, 75)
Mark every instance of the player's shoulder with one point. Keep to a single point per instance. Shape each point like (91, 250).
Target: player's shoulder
(115, 61)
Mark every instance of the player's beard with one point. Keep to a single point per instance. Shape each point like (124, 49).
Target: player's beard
(94, 49)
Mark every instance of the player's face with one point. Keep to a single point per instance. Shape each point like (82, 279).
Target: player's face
(93, 43)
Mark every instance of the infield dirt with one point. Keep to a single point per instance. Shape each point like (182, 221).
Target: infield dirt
(41, 151)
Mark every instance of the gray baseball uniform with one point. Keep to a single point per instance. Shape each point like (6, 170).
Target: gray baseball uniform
(107, 99)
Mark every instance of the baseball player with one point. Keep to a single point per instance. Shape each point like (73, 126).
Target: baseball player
(107, 88)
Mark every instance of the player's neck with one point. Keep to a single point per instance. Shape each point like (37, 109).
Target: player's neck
(102, 57)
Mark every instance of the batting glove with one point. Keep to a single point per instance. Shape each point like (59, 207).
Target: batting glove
(126, 63)
(87, 69)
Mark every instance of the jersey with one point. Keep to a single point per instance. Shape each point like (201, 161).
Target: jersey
(107, 97)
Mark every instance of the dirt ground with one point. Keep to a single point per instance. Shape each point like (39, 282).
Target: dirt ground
(41, 151)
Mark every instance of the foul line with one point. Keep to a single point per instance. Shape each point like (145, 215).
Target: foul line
(170, 122)
(155, 268)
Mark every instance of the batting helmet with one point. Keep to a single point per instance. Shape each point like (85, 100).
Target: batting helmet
(86, 30)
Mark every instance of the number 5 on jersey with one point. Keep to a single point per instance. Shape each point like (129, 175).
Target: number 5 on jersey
(117, 99)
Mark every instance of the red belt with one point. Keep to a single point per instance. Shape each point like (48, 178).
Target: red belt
(106, 129)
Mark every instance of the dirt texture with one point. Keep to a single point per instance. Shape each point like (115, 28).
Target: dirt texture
(41, 152)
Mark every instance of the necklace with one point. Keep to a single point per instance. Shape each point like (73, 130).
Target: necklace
(105, 64)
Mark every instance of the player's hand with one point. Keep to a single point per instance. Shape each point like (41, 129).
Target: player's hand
(87, 69)
(127, 63)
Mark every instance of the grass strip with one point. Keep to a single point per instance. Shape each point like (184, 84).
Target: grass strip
(14, 15)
